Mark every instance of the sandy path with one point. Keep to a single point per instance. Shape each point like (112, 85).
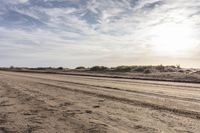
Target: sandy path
(53, 103)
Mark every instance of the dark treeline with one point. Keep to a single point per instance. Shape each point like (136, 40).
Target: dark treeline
(135, 68)
(143, 69)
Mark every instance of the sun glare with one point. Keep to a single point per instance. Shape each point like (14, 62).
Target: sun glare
(173, 38)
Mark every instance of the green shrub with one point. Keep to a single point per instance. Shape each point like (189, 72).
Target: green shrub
(12, 67)
(99, 68)
(141, 68)
(60, 68)
(160, 68)
(80, 67)
(123, 69)
(147, 71)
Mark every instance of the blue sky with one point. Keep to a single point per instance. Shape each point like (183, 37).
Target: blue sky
(71, 33)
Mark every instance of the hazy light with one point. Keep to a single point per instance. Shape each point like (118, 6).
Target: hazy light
(173, 38)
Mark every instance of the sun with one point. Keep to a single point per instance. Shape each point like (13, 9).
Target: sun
(173, 38)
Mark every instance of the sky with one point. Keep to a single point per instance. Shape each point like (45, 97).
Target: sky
(70, 33)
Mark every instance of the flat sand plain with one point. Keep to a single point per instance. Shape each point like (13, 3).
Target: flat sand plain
(54, 103)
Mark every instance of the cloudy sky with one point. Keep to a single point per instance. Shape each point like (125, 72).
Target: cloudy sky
(71, 33)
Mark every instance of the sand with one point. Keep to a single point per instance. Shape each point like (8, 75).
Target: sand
(53, 103)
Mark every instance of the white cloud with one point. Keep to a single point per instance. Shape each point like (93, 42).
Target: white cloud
(122, 31)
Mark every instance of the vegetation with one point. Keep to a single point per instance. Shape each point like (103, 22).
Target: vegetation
(141, 68)
(122, 69)
(138, 69)
(99, 68)
(12, 67)
(160, 68)
(60, 68)
(80, 67)
(134, 69)
(147, 71)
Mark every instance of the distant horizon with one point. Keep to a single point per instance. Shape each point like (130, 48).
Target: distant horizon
(94, 66)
